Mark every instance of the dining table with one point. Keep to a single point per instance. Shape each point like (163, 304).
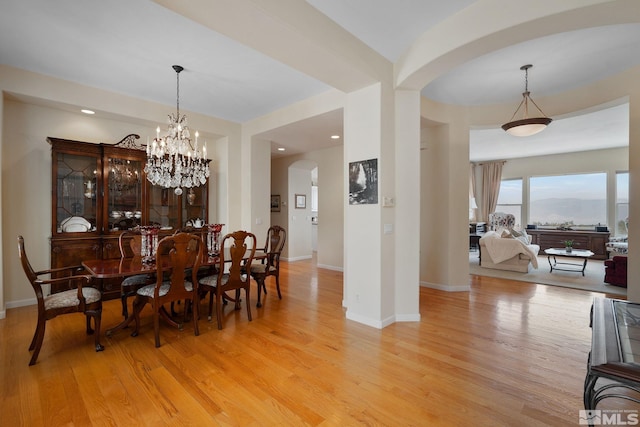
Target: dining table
(131, 266)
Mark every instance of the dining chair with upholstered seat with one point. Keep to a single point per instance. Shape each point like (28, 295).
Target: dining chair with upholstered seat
(79, 298)
(184, 252)
(270, 265)
(130, 244)
(236, 249)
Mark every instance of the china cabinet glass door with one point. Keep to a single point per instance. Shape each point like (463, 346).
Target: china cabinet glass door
(76, 207)
(194, 206)
(123, 193)
(163, 208)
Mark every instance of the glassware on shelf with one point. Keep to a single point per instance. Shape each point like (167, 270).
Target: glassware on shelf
(90, 189)
(191, 197)
(149, 242)
(213, 239)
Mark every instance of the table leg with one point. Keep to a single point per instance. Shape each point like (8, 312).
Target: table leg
(584, 266)
(126, 322)
(550, 265)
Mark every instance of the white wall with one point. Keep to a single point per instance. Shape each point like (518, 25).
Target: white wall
(218, 183)
(299, 220)
(260, 190)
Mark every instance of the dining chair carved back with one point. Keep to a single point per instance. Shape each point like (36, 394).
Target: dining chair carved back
(130, 244)
(78, 298)
(204, 270)
(237, 250)
(270, 265)
(184, 252)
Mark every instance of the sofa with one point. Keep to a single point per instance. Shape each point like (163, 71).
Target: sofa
(619, 245)
(503, 248)
(615, 271)
(507, 253)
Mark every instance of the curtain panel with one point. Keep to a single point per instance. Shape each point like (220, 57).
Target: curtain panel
(491, 177)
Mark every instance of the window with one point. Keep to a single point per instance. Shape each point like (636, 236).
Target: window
(510, 199)
(622, 203)
(576, 201)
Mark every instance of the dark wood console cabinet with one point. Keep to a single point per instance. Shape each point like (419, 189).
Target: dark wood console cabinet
(595, 241)
(105, 184)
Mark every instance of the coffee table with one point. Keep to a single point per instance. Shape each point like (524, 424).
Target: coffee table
(568, 266)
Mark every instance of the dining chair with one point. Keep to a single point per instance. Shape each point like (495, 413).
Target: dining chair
(270, 266)
(204, 270)
(237, 249)
(184, 252)
(130, 244)
(79, 298)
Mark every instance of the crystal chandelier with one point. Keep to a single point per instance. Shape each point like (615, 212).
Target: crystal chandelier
(172, 161)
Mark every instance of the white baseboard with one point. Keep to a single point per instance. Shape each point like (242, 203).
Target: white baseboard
(331, 267)
(299, 258)
(447, 288)
(408, 317)
(22, 303)
(378, 324)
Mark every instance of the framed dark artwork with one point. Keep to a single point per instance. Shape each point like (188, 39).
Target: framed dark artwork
(363, 182)
(275, 203)
(301, 201)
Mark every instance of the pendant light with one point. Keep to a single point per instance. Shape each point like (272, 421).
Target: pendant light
(526, 126)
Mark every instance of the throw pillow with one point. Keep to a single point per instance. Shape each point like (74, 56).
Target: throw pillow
(520, 236)
(506, 234)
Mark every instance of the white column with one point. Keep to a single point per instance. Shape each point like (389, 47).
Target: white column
(633, 265)
(444, 192)
(363, 263)
(407, 205)
(3, 310)
(381, 277)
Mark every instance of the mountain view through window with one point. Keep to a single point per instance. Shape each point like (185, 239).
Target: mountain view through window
(577, 201)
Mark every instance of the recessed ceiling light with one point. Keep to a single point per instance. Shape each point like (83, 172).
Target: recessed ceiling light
(280, 149)
(88, 111)
(335, 136)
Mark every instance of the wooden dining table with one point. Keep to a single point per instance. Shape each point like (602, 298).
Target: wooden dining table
(124, 267)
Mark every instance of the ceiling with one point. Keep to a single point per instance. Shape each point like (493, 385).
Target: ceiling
(128, 47)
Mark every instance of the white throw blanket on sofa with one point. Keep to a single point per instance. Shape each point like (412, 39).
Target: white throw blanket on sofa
(501, 249)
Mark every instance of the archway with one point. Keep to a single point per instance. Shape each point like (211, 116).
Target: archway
(299, 218)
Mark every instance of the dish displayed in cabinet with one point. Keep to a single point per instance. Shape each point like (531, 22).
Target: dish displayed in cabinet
(75, 224)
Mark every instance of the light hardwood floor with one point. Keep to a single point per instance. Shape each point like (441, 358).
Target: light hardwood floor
(507, 353)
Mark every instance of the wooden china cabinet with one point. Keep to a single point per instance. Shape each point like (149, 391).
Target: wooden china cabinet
(100, 190)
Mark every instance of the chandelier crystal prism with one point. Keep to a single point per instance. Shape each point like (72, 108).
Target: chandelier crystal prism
(526, 126)
(172, 161)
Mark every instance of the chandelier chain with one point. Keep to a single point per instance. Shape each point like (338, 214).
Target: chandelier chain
(178, 93)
